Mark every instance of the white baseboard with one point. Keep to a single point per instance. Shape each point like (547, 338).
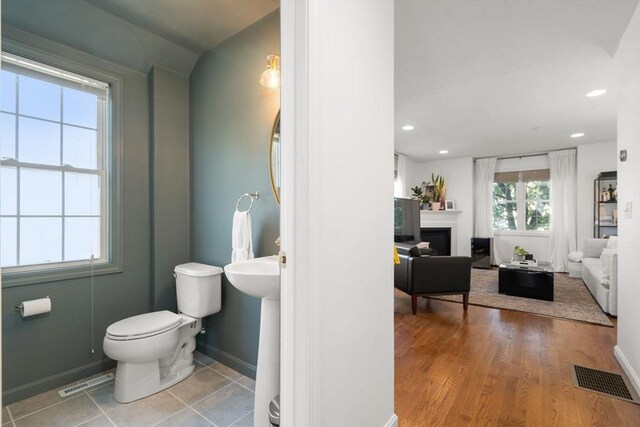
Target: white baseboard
(626, 367)
(393, 421)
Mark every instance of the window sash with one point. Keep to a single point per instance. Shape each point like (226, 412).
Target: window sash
(538, 202)
(74, 81)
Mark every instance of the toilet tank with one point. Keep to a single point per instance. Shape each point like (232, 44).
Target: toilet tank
(198, 288)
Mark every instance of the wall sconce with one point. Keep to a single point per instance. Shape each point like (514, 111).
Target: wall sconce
(271, 76)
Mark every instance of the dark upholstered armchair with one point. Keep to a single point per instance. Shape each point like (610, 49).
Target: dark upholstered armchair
(422, 274)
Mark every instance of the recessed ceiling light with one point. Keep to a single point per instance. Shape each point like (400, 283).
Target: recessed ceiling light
(596, 92)
(577, 135)
(443, 151)
(407, 127)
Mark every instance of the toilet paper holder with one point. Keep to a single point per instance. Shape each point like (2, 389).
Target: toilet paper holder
(19, 307)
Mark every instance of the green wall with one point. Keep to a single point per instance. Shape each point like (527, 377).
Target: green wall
(231, 117)
(50, 350)
(169, 163)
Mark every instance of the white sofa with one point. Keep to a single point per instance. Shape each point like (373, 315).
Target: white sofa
(599, 260)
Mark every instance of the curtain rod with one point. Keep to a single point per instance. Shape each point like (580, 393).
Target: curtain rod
(521, 156)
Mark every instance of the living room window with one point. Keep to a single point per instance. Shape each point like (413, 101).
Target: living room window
(55, 166)
(521, 201)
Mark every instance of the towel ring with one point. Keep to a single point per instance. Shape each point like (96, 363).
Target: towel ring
(252, 196)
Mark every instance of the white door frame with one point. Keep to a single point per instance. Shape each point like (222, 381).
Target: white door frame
(297, 370)
(312, 338)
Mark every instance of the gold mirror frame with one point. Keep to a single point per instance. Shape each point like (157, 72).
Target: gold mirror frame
(272, 172)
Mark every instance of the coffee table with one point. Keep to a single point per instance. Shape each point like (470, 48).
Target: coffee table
(525, 281)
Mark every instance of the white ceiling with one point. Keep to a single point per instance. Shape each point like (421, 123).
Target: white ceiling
(197, 25)
(484, 78)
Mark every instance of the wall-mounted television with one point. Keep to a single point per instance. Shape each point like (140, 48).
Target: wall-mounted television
(406, 220)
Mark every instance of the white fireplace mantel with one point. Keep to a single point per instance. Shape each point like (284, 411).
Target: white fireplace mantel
(442, 219)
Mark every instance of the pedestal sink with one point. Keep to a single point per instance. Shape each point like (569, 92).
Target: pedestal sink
(260, 278)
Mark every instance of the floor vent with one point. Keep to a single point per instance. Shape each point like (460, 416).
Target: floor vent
(607, 383)
(85, 385)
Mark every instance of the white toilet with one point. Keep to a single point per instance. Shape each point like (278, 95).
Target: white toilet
(155, 350)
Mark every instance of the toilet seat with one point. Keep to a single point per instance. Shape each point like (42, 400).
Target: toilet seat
(144, 326)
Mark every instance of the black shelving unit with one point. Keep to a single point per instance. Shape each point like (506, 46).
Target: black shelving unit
(605, 211)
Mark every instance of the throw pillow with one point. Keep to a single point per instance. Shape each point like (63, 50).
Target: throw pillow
(575, 256)
(415, 251)
(606, 258)
(592, 248)
(612, 243)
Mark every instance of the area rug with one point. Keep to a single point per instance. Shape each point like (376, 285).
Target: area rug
(572, 299)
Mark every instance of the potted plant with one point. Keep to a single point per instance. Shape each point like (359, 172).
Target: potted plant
(519, 253)
(420, 194)
(438, 192)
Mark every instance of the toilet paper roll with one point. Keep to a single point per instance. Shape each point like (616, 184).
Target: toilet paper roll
(36, 306)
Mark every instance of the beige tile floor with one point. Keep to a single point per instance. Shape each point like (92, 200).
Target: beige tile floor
(213, 395)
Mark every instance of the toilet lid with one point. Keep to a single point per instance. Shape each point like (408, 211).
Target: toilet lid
(197, 270)
(144, 325)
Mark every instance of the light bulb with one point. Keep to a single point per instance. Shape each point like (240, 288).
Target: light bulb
(271, 76)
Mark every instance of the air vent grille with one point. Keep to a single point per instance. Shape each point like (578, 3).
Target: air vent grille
(607, 383)
(85, 385)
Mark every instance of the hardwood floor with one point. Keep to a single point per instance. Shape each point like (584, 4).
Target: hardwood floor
(490, 367)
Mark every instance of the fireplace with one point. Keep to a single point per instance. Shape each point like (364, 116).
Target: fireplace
(439, 239)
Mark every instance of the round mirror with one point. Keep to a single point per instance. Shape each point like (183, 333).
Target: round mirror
(274, 158)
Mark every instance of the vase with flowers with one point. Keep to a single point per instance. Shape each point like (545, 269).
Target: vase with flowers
(439, 191)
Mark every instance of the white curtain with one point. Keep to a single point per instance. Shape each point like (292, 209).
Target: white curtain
(483, 190)
(562, 240)
(399, 186)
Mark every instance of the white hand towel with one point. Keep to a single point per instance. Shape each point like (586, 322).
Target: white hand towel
(241, 244)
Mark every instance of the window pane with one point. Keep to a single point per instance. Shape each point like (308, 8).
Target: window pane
(8, 135)
(504, 191)
(538, 190)
(505, 207)
(9, 246)
(40, 240)
(9, 191)
(505, 216)
(39, 141)
(537, 207)
(80, 108)
(81, 238)
(39, 99)
(80, 147)
(81, 194)
(538, 216)
(8, 92)
(40, 192)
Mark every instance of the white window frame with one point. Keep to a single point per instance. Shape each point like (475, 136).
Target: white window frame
(521, 211)
(111, 259)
